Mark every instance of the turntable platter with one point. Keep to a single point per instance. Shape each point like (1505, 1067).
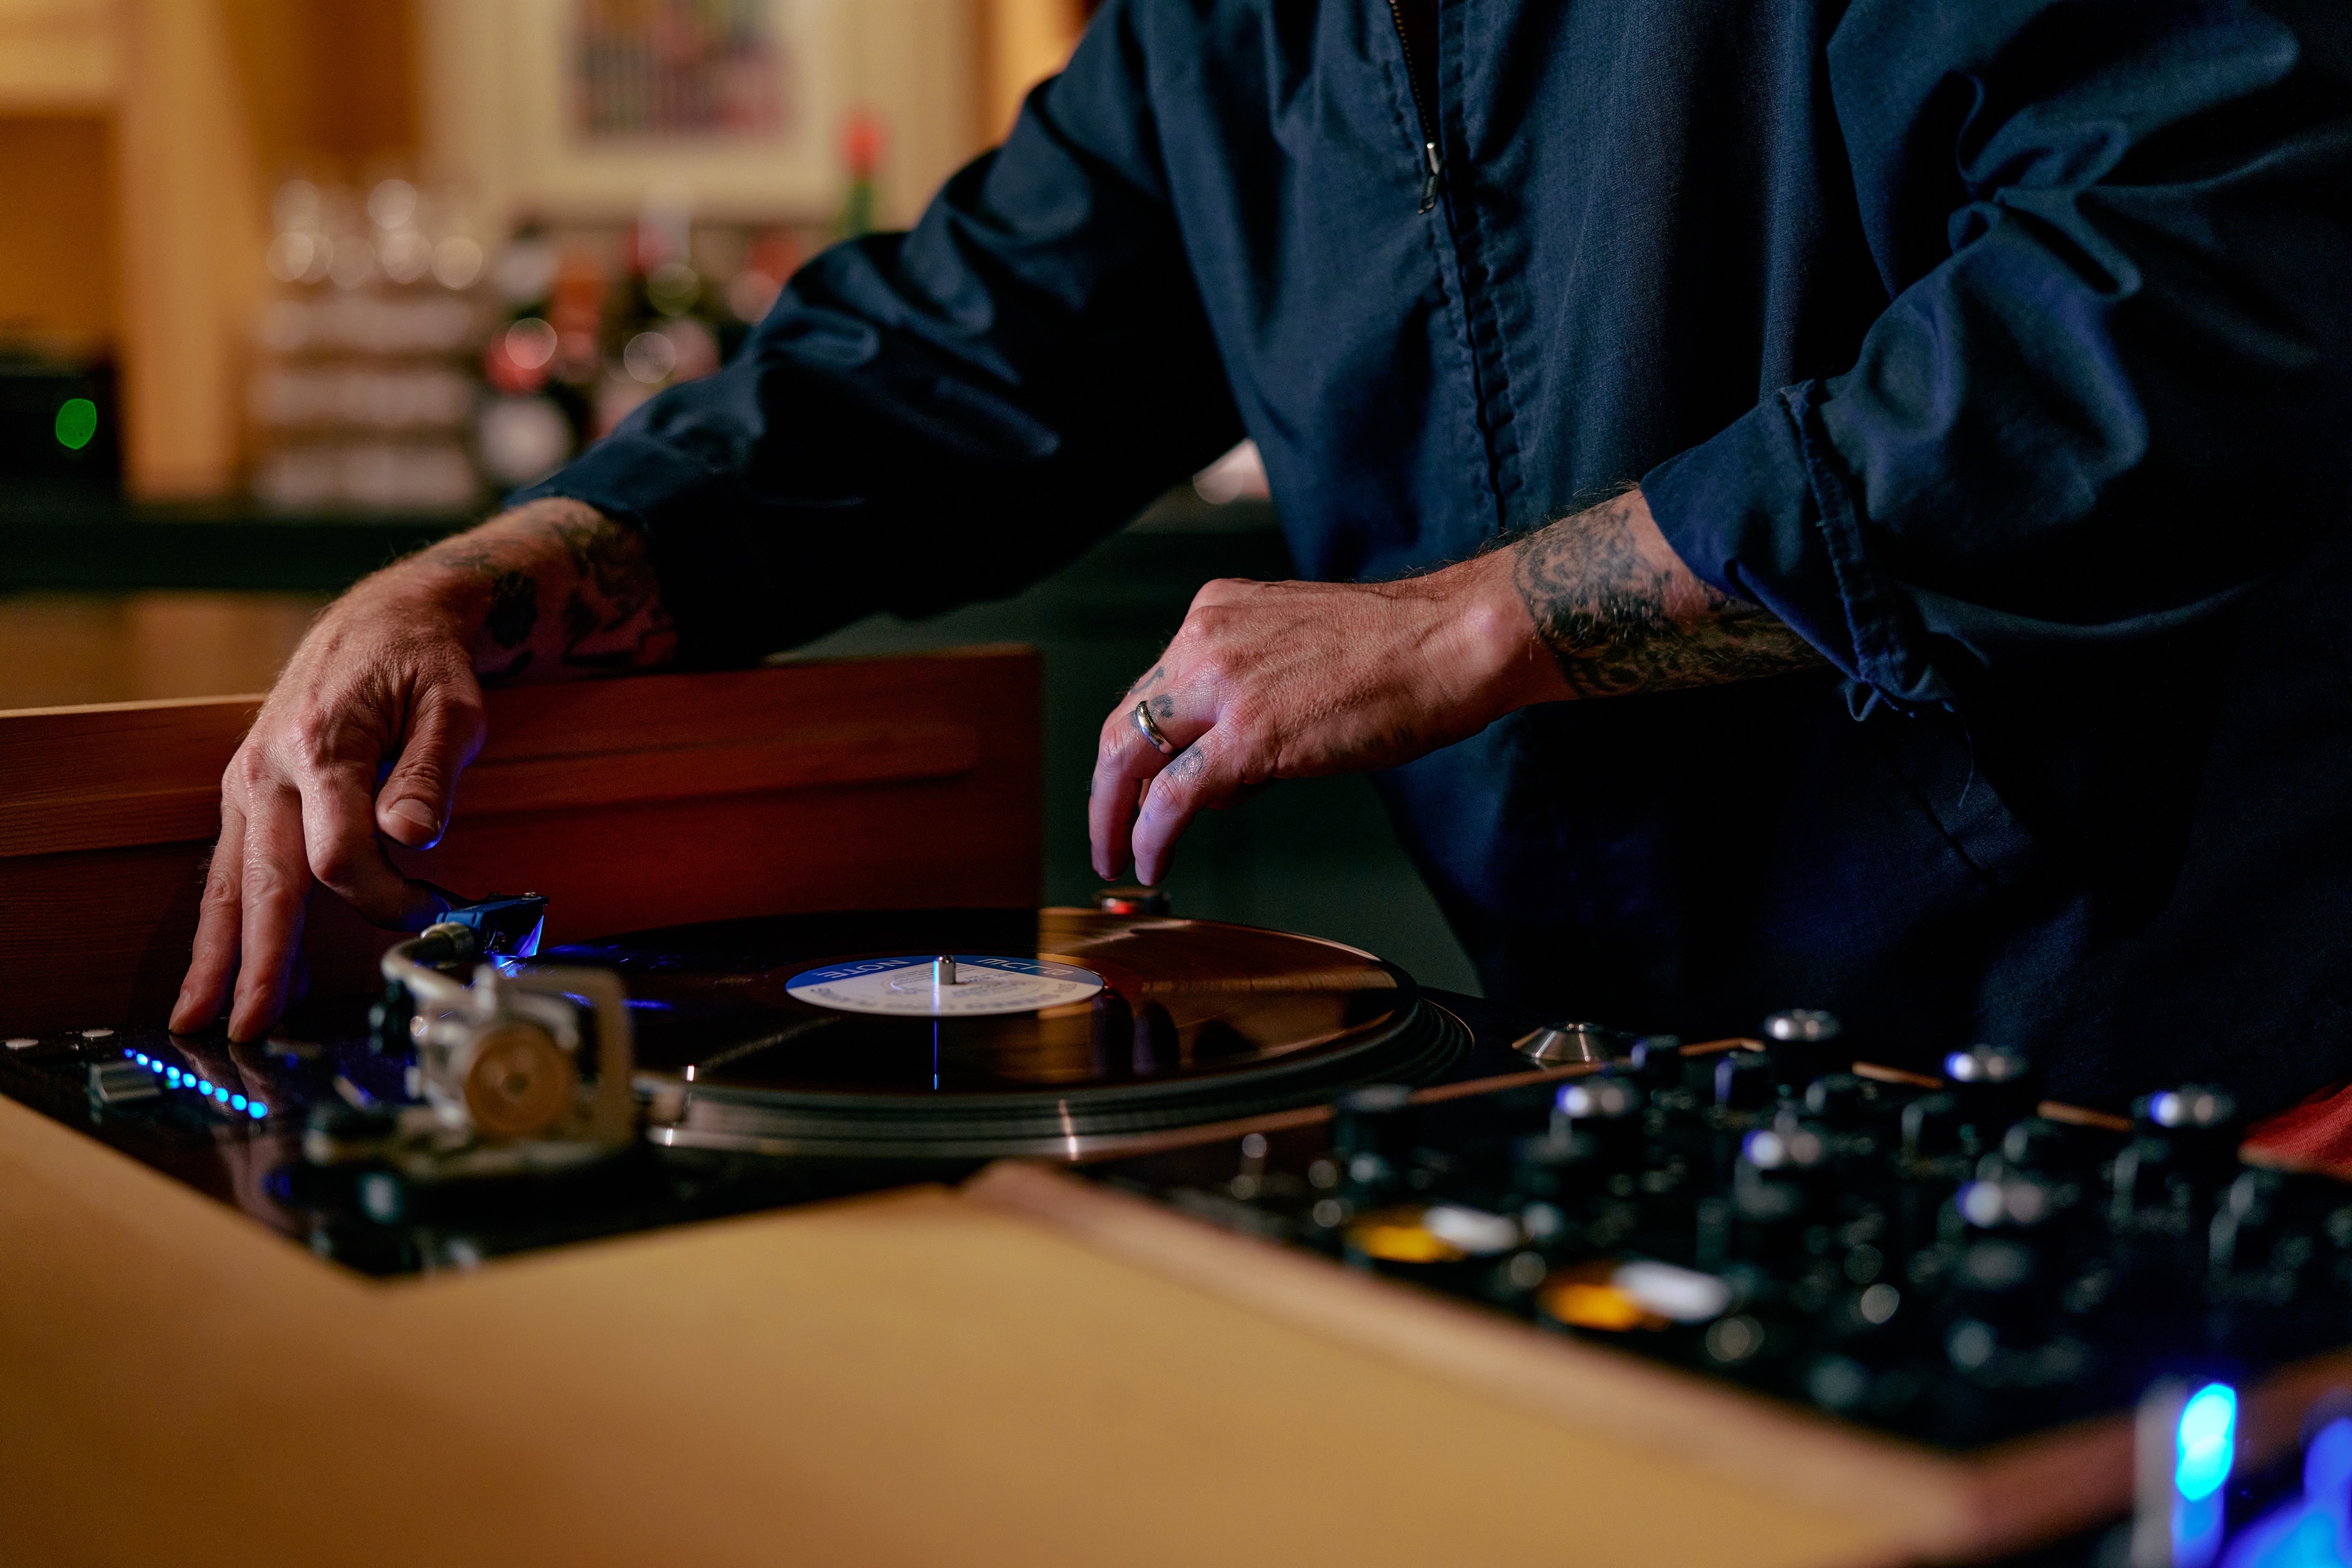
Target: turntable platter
(1062, 1031)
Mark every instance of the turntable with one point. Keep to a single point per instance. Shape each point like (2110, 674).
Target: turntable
(499, 1098)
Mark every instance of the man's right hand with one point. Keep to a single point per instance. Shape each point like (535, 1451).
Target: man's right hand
(384, 688)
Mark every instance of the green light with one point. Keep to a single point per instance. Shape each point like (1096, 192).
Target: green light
(77, 423)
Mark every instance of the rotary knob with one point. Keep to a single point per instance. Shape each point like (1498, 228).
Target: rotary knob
(1369, 1133)
(2186, 1146)
(1779, 1171)
(2055, 1148)
(1656, 1062)
(2200, 1124)
(1745, 1080)
(1804, 1042)
(1840, 1101)
(1992, 1086)
(1607, 1111)
(1933, 1129)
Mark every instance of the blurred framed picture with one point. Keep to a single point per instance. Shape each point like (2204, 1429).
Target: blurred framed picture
(679, 71)
(582, 107)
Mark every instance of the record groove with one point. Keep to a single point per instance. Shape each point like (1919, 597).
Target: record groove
(1195, 1022)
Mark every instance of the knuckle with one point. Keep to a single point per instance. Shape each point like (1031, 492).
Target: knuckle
(269, 886)
(248, 772)
(339, 864)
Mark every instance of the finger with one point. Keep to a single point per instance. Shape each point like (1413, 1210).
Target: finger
(339, 818)
(445, 730)
(277, 881)
(1124, 759)
(212, 964)
(1202, 776)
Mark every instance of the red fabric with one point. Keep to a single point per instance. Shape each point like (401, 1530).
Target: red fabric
(2316, 1134)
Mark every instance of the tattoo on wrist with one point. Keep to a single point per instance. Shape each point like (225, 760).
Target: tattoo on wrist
(600, 572)
(1603, 611)
(514, 608)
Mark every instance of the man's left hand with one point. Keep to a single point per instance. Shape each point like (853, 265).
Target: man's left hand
(1274, 681)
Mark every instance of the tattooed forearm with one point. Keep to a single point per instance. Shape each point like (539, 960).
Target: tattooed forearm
(1621, 614)
(563, 554)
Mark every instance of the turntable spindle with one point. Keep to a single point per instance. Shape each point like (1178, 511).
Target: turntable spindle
(943, 971)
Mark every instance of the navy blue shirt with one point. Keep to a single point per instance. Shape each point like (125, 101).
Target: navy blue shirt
(2004, 348)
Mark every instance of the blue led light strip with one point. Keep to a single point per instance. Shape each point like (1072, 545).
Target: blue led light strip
(173, 1078)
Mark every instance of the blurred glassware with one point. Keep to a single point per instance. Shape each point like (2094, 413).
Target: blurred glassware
(673, 288)
(392, 203)
(292, 254)
(353, 265)
(524, 272)
(522, 440)
(457, 262)
(649, 358)
(407, 256)
(296, 205)
(402, 475)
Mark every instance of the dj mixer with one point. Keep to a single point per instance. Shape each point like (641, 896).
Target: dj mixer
(2037, 1318)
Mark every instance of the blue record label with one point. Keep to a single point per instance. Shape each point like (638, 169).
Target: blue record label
(909, 987)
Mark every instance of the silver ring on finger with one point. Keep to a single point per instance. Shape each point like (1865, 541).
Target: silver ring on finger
(1159, 742)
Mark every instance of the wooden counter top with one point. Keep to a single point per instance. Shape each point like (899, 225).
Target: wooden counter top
(909, 1378)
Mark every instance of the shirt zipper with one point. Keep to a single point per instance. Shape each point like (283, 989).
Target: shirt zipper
(1432, 167)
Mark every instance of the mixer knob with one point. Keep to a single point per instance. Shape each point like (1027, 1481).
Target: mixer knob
(1604, 1096)
(1780, 1170)
(2200, 1125)
(1994, 1086)
(1369, 1136)
(2246, 1224)
(2038, 1143)
(2006, 1202)
(1804, 1041)
(1745, 1080)
(1607, 1110)
(1933, 1128)
(1840, 1101)
(1657, 1062)
(2149, 1180)
(1132, 901)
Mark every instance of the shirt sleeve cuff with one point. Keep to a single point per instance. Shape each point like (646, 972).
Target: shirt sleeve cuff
(1763, 512)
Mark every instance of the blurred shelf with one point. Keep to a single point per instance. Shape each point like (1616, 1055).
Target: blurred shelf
(94, 545)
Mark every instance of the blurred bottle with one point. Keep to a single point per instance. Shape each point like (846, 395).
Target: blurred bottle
(861, 154)
(532, 420)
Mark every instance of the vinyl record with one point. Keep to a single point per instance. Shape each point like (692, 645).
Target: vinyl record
(1057, 1031)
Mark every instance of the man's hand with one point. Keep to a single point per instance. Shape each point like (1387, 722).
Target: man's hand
(1271, 680)
(380, 707)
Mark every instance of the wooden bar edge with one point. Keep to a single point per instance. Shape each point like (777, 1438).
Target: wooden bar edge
(1926, 1506)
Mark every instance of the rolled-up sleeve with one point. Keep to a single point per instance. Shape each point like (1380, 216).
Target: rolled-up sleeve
(929, 418)
(2113, 386)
